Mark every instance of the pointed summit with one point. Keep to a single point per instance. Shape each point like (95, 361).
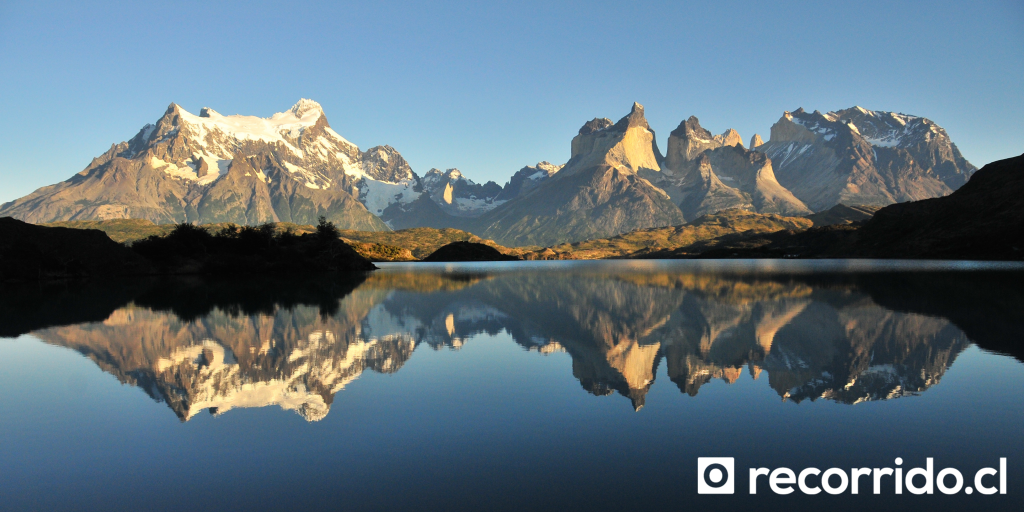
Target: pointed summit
(173, 108)
(755, 141)
(731, 138)
(599, 193)
(634, 118)
(629, 143)
(691, 127)
(306, 106)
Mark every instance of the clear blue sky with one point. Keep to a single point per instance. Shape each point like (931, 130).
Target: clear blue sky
(490, 88)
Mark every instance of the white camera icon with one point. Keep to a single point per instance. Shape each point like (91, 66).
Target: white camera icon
(715, 475)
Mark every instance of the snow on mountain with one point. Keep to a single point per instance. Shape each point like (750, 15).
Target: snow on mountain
(301, 138)
(527, 179)
(460, 196)
(282, 127)
(289, 167)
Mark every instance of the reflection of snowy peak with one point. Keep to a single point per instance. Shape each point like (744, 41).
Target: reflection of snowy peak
(814, 342)
(294, 358)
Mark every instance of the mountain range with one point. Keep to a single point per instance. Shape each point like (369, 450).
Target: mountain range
(292, 167)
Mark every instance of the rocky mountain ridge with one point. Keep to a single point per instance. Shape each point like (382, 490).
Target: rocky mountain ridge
(825, 159)
(292, 167)
(598, 193)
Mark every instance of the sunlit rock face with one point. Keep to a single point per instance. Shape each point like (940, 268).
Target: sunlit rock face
(619, 329)
(706, 173)
(597, 194)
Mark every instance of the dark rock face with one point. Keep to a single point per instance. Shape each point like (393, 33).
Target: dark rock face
(635, 118)
(468, 251)
(690, 139)
(923, 141)
(595, 125)
(30, 253)
(526, 180)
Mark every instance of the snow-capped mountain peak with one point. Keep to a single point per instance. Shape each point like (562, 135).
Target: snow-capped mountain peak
(306, 107)
(278, 128)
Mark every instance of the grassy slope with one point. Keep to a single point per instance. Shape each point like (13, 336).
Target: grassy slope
(843, 214)
(119, 230)
(704, 229)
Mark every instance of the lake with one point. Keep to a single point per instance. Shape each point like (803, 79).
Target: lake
(518, 386)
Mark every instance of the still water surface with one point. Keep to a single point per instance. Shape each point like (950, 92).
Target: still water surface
(543, 386)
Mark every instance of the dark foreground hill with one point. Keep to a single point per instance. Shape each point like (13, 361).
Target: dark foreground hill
(29, 252)
(468, 251)
(983, 220)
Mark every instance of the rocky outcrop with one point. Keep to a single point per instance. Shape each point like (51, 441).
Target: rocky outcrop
(704, 174)
(459, 196)
(384, 163)
(526, 180)
(755, 141)
(629, 143)
(689, 140)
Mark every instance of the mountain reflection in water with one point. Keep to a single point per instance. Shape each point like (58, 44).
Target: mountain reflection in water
(846, 337)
